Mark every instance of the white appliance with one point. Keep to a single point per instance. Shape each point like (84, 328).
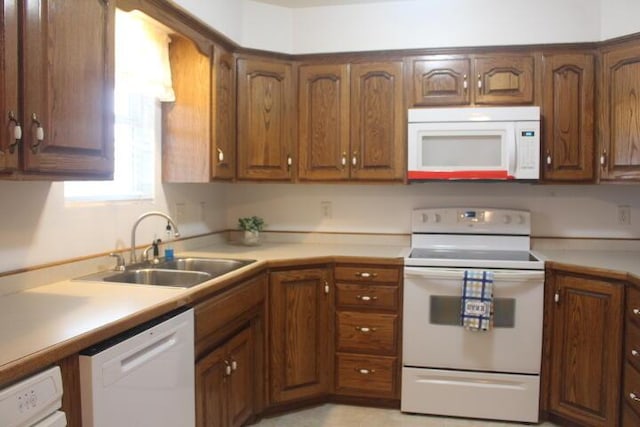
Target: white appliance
(447, 369)
(34, 402)
(143, 378)
(496, 143)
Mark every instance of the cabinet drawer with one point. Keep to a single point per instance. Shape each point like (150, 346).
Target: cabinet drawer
(367, 332)
(633, 306)
(632, 345)
(367, 273)
(366, 375)
(380, 297)
(631, 387)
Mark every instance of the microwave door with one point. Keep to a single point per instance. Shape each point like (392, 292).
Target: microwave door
(461, 150)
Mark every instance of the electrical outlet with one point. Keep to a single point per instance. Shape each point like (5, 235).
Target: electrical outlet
(624, 215)
(326, 208)
(181, 212)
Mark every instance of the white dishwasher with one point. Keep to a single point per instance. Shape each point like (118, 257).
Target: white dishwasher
(144, 377)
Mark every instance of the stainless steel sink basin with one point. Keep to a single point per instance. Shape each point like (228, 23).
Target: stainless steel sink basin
(160, 277)
(180, 272)
(214, 266)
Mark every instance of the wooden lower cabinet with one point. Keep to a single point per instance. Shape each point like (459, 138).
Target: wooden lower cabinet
(224, 380)
(300, 331)
(367, 331)
(584, 329)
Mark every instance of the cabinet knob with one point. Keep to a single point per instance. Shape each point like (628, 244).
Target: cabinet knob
(465, 85)
(326, 287)
(227, 368)
(234, 365)
(548, 158)
(636, 311)
(556, 297)
(635, 353)
(17, 132)
(603, 159)
(354, 159)
(479, 81)
(39, 133)
(220, 156)
(365, 371)
(366, 275)
(343, 160)
(366, 298)
(633, 396)
(289, 162)
(365, 329)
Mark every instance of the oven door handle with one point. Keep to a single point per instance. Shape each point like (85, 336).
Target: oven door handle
(444, 273)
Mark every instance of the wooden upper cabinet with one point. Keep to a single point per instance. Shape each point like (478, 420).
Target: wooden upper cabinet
(198, 128)
(440, 81)
(586, 348)
(492, 79)
(300, 334)
(323, 122)
(503, 79)
(68, 58)
(620, 150)
(568, 111)
(378, 121)
(224, 116)
(265, 120)
(9, 107)
(186, 124)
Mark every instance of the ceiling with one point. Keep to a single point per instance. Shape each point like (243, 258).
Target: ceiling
(314, 3)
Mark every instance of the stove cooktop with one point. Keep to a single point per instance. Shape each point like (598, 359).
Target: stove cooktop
(472, 255)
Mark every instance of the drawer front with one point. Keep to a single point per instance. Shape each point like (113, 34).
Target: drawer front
(631, 387)
(633, 306)
(379, 297)
(632, 345)
(629, 417)
(372, 376)
(367, 332)
(367, 273)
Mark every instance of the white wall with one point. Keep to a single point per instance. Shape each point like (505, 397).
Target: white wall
(561, 211)
(619, 17)
(38, 227)
(267, 27)
(224, 16)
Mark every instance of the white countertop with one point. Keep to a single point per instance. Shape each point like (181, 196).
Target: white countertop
(38, 319)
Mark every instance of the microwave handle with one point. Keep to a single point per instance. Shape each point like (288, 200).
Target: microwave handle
(512, 153)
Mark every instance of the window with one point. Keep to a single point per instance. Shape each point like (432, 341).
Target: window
(143, 77)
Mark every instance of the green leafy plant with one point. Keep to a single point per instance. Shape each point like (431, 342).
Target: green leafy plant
(252, 223)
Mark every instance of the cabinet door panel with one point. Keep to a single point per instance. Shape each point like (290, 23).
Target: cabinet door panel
(300, 331)
(440, 81)
(9, 86)
(568, 111)
(503, 80)
(68, 86)
(264, 120)
(211, 380)
(224, 117)
(621, 109)
(240, 392)
(324, 122)
(378, 121)
(586, 350)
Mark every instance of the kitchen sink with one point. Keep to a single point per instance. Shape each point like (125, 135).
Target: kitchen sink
(213, 266)
(179, 272)
(159, 277)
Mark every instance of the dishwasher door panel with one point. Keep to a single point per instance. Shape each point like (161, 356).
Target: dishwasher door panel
(145, 380)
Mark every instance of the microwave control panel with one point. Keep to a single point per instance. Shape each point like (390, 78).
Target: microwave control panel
(527, 150)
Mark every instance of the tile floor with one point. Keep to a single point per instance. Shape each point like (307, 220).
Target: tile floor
(331, 415)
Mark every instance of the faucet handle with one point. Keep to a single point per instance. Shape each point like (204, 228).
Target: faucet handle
(119, 261)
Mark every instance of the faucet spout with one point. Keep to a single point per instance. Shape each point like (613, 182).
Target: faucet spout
(176, 233)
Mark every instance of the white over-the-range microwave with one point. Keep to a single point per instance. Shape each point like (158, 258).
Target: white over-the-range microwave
(492, 143)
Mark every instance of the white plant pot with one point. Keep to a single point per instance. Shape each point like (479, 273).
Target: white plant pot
(251, 238)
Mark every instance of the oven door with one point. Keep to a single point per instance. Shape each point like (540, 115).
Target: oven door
(434, 338)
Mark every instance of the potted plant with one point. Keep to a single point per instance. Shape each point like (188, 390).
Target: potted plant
(252, 226)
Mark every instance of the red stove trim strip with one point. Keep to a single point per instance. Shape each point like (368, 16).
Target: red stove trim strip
(467, 174)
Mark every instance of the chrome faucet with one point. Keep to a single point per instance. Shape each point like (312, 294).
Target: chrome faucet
(176, 233)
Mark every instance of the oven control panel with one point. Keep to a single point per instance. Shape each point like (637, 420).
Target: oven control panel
(471, 220)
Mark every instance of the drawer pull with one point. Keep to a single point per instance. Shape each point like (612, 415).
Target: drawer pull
(635, 353)
(365, 329)
(636, 311)
(366, 298)
(366, 275)
(634, 397)
(364, 371)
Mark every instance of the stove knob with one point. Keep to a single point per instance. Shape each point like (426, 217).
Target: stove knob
(520, 219)
(506, 219)
(436, 217)
(425, 218)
